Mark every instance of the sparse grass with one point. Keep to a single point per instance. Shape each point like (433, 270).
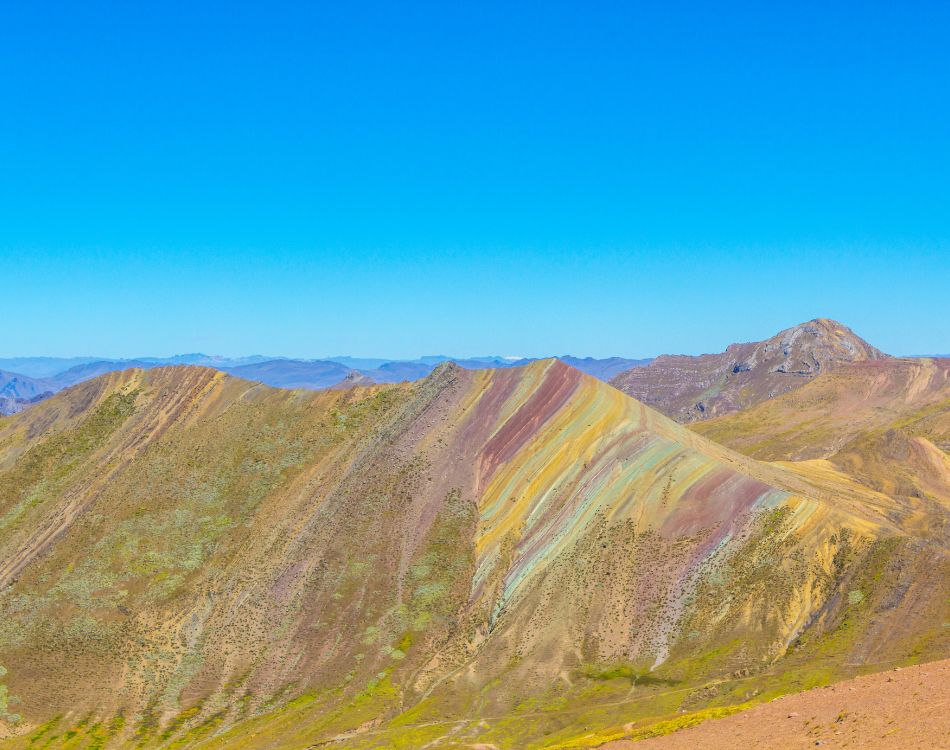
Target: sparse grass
(275, 570)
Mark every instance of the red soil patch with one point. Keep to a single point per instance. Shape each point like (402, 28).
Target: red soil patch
(906, 708)
(558, 385)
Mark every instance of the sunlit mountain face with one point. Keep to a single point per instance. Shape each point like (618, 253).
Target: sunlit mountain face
(513, 557)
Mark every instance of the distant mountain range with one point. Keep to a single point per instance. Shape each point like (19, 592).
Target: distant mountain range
(26, 380)
(686, 388)
(48, 367)
(18, 392)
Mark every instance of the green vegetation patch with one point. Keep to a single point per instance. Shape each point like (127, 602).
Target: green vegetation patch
(43, 471)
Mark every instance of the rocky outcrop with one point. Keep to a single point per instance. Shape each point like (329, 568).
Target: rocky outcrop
(690, 389)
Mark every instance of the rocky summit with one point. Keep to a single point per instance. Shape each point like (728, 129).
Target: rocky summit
(690, 389)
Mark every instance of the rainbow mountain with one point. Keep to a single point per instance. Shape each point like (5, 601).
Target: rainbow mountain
(508, 558)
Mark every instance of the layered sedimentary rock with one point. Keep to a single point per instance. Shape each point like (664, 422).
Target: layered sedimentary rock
(187, 557)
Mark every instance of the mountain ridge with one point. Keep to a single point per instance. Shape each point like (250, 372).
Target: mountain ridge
(694, 388)
(476, 538)
(886, 423)
(280, 372)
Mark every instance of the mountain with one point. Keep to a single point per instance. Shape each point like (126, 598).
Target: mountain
(14, 385)
(604, 369)
(689, 389)
(280, 372)
(481, 363)
(47, 367)
(42, 367)
(359, 363)
(13, 404)
(207, 360)
(514, 558)
(884, 422)
(398, 372)
(354, 378)
(19, 391)
(89, 370)
(293, 373)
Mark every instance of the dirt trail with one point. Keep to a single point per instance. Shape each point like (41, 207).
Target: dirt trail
(906, 708)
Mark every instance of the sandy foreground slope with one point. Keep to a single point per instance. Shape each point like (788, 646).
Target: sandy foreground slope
(905, 708)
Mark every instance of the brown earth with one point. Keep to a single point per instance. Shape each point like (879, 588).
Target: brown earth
(857, 400)
(905, 708)
(885, 424)
(692, 389)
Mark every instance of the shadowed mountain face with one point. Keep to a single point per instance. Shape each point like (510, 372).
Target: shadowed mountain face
(512, 557)
(15, 404)
(41, 367)
(13, 385)
(690, 389)
(18, 392)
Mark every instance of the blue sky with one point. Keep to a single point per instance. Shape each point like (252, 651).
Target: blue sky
(313, 179)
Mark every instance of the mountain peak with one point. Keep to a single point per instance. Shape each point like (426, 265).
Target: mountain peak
(696, 388)
(816, 344)
(445, 370)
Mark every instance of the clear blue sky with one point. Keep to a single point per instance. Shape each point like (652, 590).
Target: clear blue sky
(398, 179)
